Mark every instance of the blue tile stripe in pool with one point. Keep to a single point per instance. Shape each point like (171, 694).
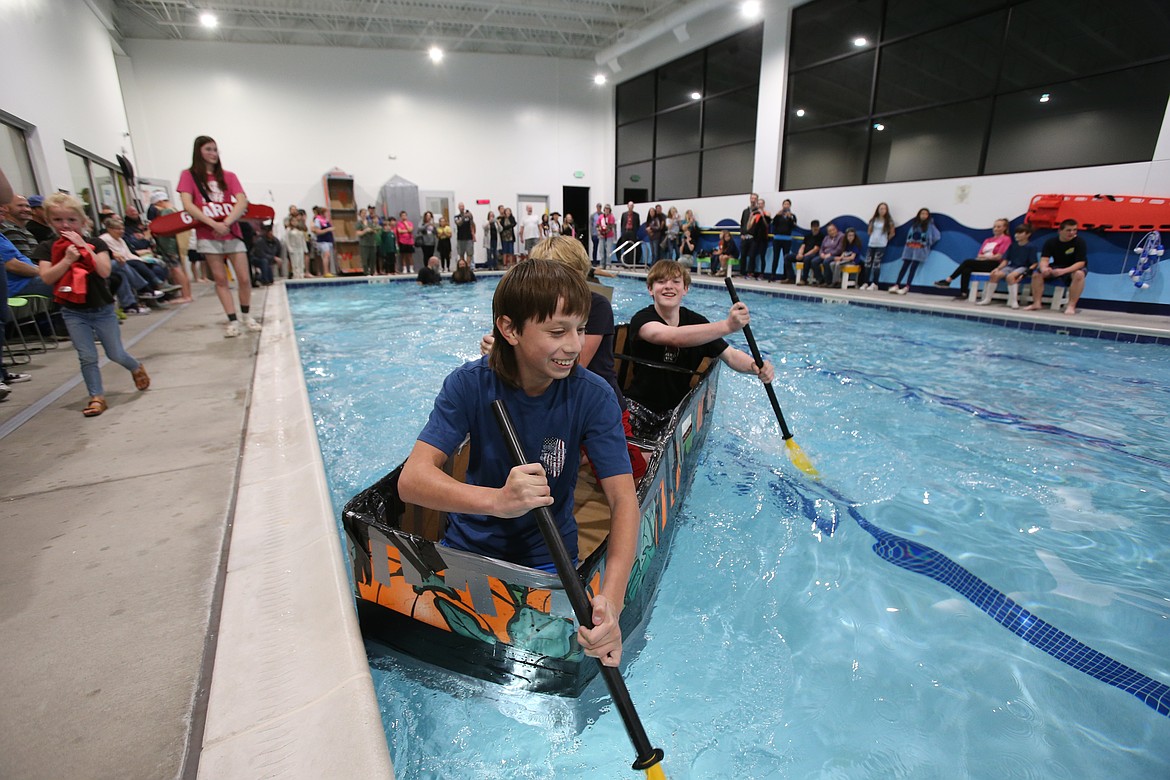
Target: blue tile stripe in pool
(922, 559)
(1060, 329)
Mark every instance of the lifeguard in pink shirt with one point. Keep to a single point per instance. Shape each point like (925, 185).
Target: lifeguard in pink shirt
(404, 232)
(990, 253)
(216, 201)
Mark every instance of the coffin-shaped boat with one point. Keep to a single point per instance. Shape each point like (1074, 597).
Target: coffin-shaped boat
(496, 620)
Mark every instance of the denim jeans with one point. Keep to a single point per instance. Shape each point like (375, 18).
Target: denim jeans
(127, 292)
(86, 326)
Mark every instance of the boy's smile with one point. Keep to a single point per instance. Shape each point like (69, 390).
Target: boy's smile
(668, 293)
(545, 349)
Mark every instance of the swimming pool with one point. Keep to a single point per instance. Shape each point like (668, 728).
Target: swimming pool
(1033, 461)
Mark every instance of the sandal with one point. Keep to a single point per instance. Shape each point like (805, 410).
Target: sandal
(97, 405)
(141, 380)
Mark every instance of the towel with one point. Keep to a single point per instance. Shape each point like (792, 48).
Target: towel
(73, 286)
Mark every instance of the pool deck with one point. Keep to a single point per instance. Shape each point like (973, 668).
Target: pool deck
(173, 589)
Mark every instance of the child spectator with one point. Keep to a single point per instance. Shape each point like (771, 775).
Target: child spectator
(1020, 260)
(77, 266)
(921, 236)
(881, 230)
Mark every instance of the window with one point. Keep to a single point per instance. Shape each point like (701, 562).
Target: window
(940, 90)
(676, 120)
(14, 157)
(97, 183)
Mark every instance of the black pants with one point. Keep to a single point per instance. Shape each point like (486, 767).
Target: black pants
(968, 267)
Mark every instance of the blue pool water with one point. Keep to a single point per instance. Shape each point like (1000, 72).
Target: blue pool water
(1033, 462)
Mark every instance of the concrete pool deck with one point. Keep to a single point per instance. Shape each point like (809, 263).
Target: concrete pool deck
(174, 595)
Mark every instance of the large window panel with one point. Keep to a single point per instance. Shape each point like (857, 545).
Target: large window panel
(735, 62)
(831, 93)
(731, 118)
(635, 142)
(678, 131)
(676, 177)
(15, 160)
(829, 28)
(635, 98)
(909, 17)
(1101, 120)
(82, 187)
(955, 63)
(935, 143)
(637, 175)
(830, 157)
(1055, 40)
(679, 79)
(726, 170)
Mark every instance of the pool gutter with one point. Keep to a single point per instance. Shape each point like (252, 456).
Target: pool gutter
(291, 693)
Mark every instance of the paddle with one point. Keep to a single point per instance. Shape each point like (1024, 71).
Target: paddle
(648, 757)
(795, 453)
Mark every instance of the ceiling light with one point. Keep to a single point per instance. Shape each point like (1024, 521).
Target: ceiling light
(435, 53)
(599, 79)
(800, 112)
(696, 96)
(208, 19)
(860, 41)
(1045, 97)
(750, 9)
(878, 126)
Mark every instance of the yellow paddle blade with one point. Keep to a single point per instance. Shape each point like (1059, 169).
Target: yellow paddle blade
(799, 459)
(655, 773)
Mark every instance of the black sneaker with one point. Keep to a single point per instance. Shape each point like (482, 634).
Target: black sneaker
(942, 283)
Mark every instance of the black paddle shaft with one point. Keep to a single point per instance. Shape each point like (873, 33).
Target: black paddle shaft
(647, 755)
(751, 340)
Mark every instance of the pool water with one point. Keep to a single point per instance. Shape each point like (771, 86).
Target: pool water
(780, 644)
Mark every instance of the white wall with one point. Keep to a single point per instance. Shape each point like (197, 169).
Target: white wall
(484, 126)
(62, 80)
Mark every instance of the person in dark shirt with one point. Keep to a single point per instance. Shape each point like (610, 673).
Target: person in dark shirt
(429, 273)
(1020, 260)
(782, 226)
(810, 246)
(1064, 260)
(674, 337)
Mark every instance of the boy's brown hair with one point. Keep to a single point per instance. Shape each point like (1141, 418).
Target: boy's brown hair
(1024, 227)
(668, 269)
(531, 291)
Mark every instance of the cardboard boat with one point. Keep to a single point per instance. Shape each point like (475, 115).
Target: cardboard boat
(496, 620)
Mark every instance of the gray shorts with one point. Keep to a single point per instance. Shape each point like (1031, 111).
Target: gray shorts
(465, 248)
(207, 246)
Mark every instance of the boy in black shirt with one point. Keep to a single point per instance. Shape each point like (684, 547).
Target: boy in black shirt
(1064, 259)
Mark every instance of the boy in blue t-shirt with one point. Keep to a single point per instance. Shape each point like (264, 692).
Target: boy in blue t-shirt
(1018, 261)
(539, 310)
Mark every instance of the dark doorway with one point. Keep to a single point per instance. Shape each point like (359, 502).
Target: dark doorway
(576, 202)
(638, 195)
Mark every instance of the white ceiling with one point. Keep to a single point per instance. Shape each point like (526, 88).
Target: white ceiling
(572, 29)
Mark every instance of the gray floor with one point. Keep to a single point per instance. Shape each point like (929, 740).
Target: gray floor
(114, 530)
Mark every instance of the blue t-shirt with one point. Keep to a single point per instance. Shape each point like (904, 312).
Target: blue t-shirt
(580, 410)
(1021, 256)
(8, 251)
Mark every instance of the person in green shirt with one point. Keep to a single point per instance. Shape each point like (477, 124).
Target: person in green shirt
(367, 233)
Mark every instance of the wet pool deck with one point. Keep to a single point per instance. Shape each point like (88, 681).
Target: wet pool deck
(172, 588)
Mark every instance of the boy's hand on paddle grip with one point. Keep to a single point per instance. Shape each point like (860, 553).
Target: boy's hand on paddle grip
(766, 373)
(526, 489)
(738, 316)
(604, 640)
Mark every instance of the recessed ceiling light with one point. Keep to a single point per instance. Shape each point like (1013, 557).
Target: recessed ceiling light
(800, 112)
(878, 126)
(859, 41)
(1045, 97)
(696, 96)
(208, 19)
(599, 79)
(750, 9)
(435, 53)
